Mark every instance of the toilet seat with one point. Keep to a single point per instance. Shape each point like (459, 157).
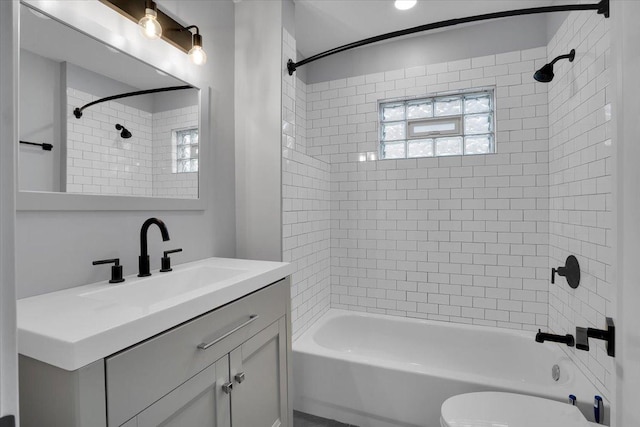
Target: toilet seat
(496, 409)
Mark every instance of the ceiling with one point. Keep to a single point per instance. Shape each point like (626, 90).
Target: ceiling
(324, 24)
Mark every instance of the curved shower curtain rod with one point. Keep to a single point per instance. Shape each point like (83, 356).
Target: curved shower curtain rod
(602, 8)
(78, 111)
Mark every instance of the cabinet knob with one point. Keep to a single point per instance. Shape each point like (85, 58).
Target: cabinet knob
(227, 388)
(239, 377)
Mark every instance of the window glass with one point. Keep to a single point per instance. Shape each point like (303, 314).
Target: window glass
(481, 144)
(393, 131)
(420, 148)
(393, 112)
(394, 151)
(477, 123)
(448, 106)
(420, 110)
(186, 150)
(448, 146)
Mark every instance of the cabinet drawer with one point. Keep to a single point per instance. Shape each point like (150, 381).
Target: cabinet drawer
(140, 375)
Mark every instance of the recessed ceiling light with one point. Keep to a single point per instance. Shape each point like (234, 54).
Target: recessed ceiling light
(405, 4)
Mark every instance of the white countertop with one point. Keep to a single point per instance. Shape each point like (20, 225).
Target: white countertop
(74, 327)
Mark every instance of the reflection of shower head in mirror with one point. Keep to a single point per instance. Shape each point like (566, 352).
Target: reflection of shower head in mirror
(125, 132)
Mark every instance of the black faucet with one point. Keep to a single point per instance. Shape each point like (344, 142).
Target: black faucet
(143, 259)
(564, 339)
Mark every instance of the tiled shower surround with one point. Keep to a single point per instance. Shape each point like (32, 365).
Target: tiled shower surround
(466, 239)
(306, 205)
(580, 199)
(99, 161)
(461, 238)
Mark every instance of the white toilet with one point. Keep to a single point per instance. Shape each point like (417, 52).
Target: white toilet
(494, 409)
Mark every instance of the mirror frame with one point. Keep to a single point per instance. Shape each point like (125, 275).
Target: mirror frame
(158, 54)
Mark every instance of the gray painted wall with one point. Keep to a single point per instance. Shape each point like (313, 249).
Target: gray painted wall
(102, 86)
(9, 70)
(498, 36)
(165, 101)
(40, 105)
(258, 60)
(55, 249)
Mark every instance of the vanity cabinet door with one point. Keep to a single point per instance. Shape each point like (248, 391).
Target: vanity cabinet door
(259, 375)
(199, 402)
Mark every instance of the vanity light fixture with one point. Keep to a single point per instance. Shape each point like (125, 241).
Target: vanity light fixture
(149, 25)
(405, 4)
(197, 55)
(154, 20)
(170, 30)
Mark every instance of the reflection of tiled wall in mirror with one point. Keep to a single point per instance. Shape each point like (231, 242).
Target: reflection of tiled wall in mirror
(166, 182)
(100, 161)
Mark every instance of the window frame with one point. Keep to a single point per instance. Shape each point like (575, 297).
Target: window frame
(412, 123)
(458, 119)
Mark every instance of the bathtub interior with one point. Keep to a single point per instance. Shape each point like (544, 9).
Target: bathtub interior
(386, 371)
(456, 349)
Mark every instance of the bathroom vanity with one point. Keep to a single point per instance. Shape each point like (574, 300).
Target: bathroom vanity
(210, 346)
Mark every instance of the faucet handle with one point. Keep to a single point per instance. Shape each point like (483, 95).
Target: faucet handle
(166, 261)
(116, 270)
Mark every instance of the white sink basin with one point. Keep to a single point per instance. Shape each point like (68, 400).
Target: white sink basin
(73, 327)
(163, 287)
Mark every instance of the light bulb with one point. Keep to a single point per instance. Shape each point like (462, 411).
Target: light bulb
(149, 25)
(405, 4)
(197, 55)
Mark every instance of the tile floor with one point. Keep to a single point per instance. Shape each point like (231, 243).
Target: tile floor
(300, 419)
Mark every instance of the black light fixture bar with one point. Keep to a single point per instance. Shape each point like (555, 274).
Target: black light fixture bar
(78, 111)
(45, 145)
(602, 8)
(173, 32)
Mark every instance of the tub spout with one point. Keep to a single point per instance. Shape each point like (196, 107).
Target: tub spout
(564, 339)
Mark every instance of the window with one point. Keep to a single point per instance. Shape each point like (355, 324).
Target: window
(451, 125)
(186, 150)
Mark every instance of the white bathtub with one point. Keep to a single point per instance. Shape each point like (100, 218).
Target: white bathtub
(383, 371)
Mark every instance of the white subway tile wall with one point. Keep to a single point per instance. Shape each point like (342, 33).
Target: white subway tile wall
(461, 239)
(99, 161)
(306, 205)
(580, 200)
(166, 183)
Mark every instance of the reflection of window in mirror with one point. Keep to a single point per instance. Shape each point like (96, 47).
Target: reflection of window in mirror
(186, 150)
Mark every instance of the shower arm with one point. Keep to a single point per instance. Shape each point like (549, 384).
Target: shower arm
(78, 111)
(602, 8)
(568, 56)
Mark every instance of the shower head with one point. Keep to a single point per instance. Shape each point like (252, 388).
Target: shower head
(125, 132)
(545, 74)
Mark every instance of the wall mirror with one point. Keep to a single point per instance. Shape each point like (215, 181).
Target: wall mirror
(130, 152)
